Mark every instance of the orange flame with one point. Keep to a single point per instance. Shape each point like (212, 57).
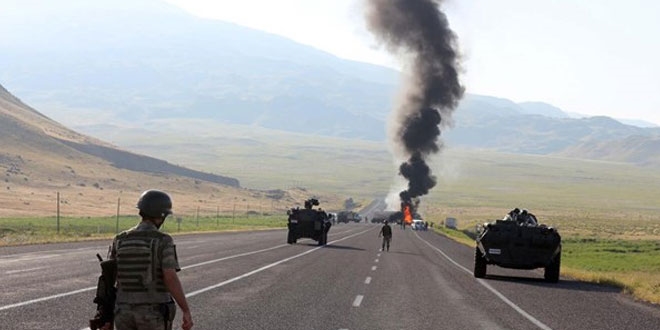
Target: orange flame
(407, 217)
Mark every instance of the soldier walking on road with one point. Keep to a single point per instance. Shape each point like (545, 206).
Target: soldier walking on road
(146, 271)
(386, 232)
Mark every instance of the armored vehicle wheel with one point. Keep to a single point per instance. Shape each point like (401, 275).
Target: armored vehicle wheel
(480, 264)
(552, 270)
(322, 239)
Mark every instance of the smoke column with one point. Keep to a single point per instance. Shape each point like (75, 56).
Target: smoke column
(419, 30)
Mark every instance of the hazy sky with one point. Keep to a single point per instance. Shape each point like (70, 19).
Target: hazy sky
(596, 57)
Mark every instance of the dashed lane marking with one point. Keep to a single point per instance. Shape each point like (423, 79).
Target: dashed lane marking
(33, 301)
(368, 280)
(374, 268)
(358, 300)
(258, 270)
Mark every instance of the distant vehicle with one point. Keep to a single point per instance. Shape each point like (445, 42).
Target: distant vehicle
(417, 224)
(393, 217)
(518, 242)
(308, 223)
(348, 216)
(332, 217)
(450, 223)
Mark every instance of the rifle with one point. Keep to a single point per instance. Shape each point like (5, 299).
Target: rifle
(106, 294)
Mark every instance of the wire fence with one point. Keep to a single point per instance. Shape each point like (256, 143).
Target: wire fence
(60, 227)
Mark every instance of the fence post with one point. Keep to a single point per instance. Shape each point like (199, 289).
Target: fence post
(58, 212)
(197, 217)
(117, 221)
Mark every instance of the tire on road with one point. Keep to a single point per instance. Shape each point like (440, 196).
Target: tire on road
(480, 264)
(552, 270)
(323, 239)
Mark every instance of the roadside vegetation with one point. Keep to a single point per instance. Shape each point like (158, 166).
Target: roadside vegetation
(608, 213)
(21, 231)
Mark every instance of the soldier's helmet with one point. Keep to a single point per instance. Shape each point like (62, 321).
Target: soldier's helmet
(154, 204)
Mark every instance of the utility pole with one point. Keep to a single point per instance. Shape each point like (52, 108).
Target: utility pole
(58, 212)
(117, 221)
(233, 213)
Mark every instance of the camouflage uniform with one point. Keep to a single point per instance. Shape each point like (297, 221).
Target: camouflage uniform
(143, 301)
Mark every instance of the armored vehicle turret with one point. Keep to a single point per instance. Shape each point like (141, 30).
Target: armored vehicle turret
(308, 223)
(518, 241)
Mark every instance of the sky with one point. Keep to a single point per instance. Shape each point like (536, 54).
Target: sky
(595, 57)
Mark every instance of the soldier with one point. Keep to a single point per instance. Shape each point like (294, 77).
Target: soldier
(527, 218)
(146, 271)
(512, 215)
(386, 232)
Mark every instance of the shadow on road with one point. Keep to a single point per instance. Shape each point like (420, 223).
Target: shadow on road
(342, 247)
(565, 284)
(401, 252)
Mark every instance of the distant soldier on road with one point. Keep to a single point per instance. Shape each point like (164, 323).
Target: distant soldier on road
(386, 232)
(146, 271)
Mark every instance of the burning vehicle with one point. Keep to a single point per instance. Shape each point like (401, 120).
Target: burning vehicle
(518, 241)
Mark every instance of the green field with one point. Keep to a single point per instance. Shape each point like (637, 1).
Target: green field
(45, 230)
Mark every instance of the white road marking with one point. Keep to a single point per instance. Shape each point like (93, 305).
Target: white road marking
(29, 302)
(358, 300)
(29, 258)
(258, 270)
(376, 261)
(234, 256)
(374, 268)
(33, 301)
(378, 255)
(49, 251)
(515, 307)
(368, 280)
(22, 270)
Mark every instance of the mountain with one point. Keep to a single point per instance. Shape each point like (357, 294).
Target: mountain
(104, 67)
(147, 60)
(641, 150)
(39, 157)
(543, 109)
(502, 125)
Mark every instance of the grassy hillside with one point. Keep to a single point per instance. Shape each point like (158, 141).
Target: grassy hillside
(473, 185)
(41, 159)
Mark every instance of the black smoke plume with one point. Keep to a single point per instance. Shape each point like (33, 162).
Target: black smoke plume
(418, 30)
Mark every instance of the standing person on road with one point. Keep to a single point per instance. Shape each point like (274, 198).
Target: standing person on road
(386, 232)
(146, 271)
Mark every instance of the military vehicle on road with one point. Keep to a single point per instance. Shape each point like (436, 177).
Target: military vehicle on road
(348, 216)
(518, 242)
(308, 223)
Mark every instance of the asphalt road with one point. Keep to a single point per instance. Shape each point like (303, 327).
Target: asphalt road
(253, 280)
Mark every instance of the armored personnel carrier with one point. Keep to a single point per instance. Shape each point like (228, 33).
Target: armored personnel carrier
(308, 223)
(518, 242)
